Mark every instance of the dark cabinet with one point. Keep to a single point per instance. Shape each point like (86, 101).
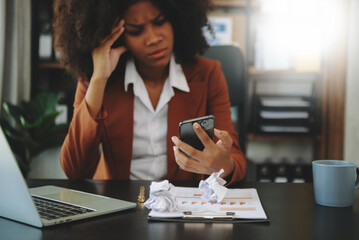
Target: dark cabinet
(48, 75)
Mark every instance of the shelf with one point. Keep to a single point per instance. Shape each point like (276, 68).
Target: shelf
(236, 3)
(230, 3)
(53, 65)
(252, 71)
(272, 137)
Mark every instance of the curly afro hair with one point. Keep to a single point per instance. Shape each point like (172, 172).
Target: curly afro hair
(80, 25)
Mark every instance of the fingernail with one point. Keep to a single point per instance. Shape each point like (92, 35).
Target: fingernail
(174, 148)
(174, 140)
(196, 125)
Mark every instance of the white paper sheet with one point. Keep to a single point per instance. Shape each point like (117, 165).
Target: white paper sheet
(245, 204)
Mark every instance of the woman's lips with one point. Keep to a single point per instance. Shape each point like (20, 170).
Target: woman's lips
(158, 53)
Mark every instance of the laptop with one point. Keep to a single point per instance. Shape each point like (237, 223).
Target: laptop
(46, 205)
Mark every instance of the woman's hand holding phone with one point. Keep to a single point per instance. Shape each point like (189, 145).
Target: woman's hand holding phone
(105, 59)
(213, 158)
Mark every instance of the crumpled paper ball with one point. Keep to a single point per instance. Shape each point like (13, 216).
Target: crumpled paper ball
(212, 188)
(161, 198)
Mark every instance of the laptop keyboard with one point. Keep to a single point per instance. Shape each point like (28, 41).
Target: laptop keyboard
(50, 209)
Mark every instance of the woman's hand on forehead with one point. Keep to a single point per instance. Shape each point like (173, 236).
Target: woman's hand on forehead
(105, 58)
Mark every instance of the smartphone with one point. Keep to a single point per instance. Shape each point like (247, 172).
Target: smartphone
(189, 136)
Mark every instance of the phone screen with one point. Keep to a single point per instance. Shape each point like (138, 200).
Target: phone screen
(189, 136)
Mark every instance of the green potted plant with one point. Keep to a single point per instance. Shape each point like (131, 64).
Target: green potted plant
(31, 128)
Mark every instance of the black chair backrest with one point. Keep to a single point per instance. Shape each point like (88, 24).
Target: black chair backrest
(234, 69)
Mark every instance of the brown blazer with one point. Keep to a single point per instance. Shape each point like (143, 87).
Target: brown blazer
(113, 129)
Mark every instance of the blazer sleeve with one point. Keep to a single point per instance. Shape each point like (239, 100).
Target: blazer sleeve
(80, 153)
(219, 106)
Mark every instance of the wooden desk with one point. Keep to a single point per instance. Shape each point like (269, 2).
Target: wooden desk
(290, 208)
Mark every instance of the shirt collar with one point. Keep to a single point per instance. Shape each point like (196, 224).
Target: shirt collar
(177, 79)
(176, 76)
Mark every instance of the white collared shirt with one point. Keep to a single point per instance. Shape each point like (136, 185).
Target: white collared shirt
(149, 151)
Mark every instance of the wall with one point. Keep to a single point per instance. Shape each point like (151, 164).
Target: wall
(47, 165)
(351, 150)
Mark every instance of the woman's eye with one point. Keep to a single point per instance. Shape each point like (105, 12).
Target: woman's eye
(134, 33)
(160, 22)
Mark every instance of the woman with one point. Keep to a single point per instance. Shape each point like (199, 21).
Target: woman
(139, 76)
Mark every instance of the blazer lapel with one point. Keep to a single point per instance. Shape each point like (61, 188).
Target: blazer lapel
(120, 129)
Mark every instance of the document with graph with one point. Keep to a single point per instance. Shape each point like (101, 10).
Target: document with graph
(238, 203)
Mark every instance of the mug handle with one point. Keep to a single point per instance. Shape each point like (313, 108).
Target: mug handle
(357, 181)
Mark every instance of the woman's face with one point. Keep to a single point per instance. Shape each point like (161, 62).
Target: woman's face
(148, 35)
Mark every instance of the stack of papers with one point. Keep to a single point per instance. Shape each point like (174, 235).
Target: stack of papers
(284, 102)
(241, 203)
(284, 129)
(284, 115)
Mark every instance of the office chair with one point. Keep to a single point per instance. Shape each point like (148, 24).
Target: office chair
(234, 69)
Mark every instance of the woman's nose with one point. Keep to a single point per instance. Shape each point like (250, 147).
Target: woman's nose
(152, 37)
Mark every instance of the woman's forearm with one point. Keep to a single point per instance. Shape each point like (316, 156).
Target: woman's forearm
(94, 95)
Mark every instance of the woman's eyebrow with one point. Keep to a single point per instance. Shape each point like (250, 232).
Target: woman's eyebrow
(141, 25)
(157, 17)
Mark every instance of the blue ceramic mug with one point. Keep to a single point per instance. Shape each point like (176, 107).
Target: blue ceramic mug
(334, 182)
